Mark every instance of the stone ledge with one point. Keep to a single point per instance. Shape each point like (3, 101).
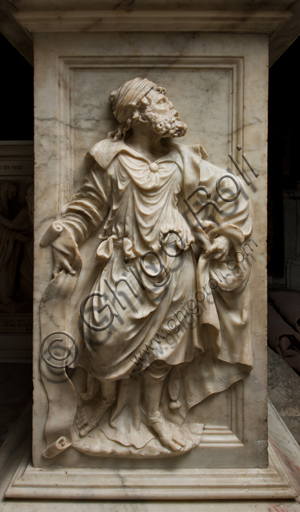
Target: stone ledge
(18, 444)
(188, 484)
(153, 21)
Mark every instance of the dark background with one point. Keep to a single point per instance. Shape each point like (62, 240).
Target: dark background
(284, 129)
(16, 94)
(284, 141)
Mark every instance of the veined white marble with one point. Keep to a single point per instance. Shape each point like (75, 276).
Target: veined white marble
(219, 87)
(141, 373)
(186, 418)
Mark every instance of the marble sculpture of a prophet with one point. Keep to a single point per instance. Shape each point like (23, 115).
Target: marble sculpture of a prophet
(156, 332)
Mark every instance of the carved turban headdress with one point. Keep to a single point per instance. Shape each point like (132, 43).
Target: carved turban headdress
(127, 97)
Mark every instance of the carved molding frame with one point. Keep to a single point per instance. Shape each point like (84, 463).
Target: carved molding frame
(213, 436)
(153, 21)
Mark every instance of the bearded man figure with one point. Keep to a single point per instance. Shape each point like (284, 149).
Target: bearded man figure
(155, 337)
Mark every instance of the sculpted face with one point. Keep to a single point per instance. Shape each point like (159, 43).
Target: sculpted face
(159, 103)
(162, 116)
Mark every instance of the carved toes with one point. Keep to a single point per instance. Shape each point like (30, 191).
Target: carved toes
(178, 437)
(169, 435)
(87, 428)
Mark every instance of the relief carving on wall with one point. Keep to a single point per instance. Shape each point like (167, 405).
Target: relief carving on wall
(143, 325)
(16, 251)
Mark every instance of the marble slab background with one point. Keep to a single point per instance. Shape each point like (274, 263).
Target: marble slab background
(218, 83)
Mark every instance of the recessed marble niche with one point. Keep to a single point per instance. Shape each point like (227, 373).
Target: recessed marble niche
(218, 84)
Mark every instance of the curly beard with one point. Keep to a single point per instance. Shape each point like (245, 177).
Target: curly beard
(166, 126)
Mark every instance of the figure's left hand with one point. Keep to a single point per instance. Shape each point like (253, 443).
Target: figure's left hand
(219, 249)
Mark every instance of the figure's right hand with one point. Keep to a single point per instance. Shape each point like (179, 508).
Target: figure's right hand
(62, 262)
(66, 256)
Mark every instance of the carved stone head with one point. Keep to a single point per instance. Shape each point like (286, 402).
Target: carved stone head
(141, 101)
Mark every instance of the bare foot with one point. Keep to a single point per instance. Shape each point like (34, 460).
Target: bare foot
(89, 416)
(169, 434)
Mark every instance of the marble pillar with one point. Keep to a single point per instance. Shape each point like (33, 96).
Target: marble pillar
(130, 390)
